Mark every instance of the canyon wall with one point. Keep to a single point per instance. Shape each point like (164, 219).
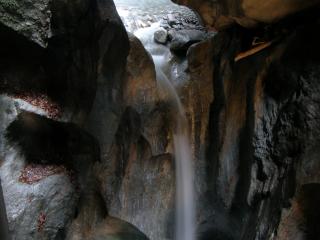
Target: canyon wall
(220, 14)
(263, 162)
(86, 148)
(52, 53)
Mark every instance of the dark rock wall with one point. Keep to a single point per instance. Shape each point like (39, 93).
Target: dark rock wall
(263, 136)
(51, 56)
(221, 14)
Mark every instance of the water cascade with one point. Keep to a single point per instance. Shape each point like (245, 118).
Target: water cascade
(162, 56)
(185, 208)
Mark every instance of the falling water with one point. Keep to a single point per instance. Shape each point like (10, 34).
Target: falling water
(185, 206)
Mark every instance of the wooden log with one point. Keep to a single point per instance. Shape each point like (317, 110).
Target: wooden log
(252, 51)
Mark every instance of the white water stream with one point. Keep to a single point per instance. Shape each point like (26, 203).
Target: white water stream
(185, 206)
(135, 14)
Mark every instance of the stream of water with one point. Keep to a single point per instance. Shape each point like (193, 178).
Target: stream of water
(185, 206)
(161, 55)
(141, 17)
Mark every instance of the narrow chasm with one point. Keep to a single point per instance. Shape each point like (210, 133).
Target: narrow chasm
(159, 120)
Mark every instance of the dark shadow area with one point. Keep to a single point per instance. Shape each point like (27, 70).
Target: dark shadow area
(308, 200)
(4, 234)
(20, 64)
(45, 141)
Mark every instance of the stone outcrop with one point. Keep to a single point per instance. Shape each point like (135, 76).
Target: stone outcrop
(64, 67)
(248, 13)
(263, 135)
(51, 57)
(29, 18)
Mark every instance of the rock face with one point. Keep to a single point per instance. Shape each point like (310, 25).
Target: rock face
(29, 18)
(263, 136)
(51, 55)
(248, 13)
(118, 230)
(86, 148)
(136, 175)
(66, 70)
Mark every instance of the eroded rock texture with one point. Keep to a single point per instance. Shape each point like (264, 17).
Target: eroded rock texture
(248, 13)
(51, 55)
(263, 135)
(86, 148)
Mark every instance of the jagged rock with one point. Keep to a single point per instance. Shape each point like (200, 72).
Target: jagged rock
(276, 104)
(41, 198)
(161, 36)
(66, 71)
(182, 19)
(29, 18)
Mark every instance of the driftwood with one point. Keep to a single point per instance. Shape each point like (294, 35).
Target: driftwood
(253, 51)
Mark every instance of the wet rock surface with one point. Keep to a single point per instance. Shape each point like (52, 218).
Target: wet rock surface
(115, 229)
(248, 13)
(180, 26)
(260, 134)
(49, 67)
(41, 196)
(86, 135)
(29, 18)
(142, 14)
(183, 39)
(40, 210)
(161, 36)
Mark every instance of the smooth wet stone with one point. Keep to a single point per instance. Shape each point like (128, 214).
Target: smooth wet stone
(39, 210)
(181, 40)
(161, 36)
(116, 229)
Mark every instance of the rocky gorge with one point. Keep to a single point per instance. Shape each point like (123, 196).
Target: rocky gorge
(88, 144)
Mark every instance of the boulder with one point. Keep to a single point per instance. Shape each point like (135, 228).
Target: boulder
(41, 182)
(161, 36)
(181, 40)
(40, 209)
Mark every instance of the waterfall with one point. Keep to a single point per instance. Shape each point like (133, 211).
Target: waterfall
(185, 206)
